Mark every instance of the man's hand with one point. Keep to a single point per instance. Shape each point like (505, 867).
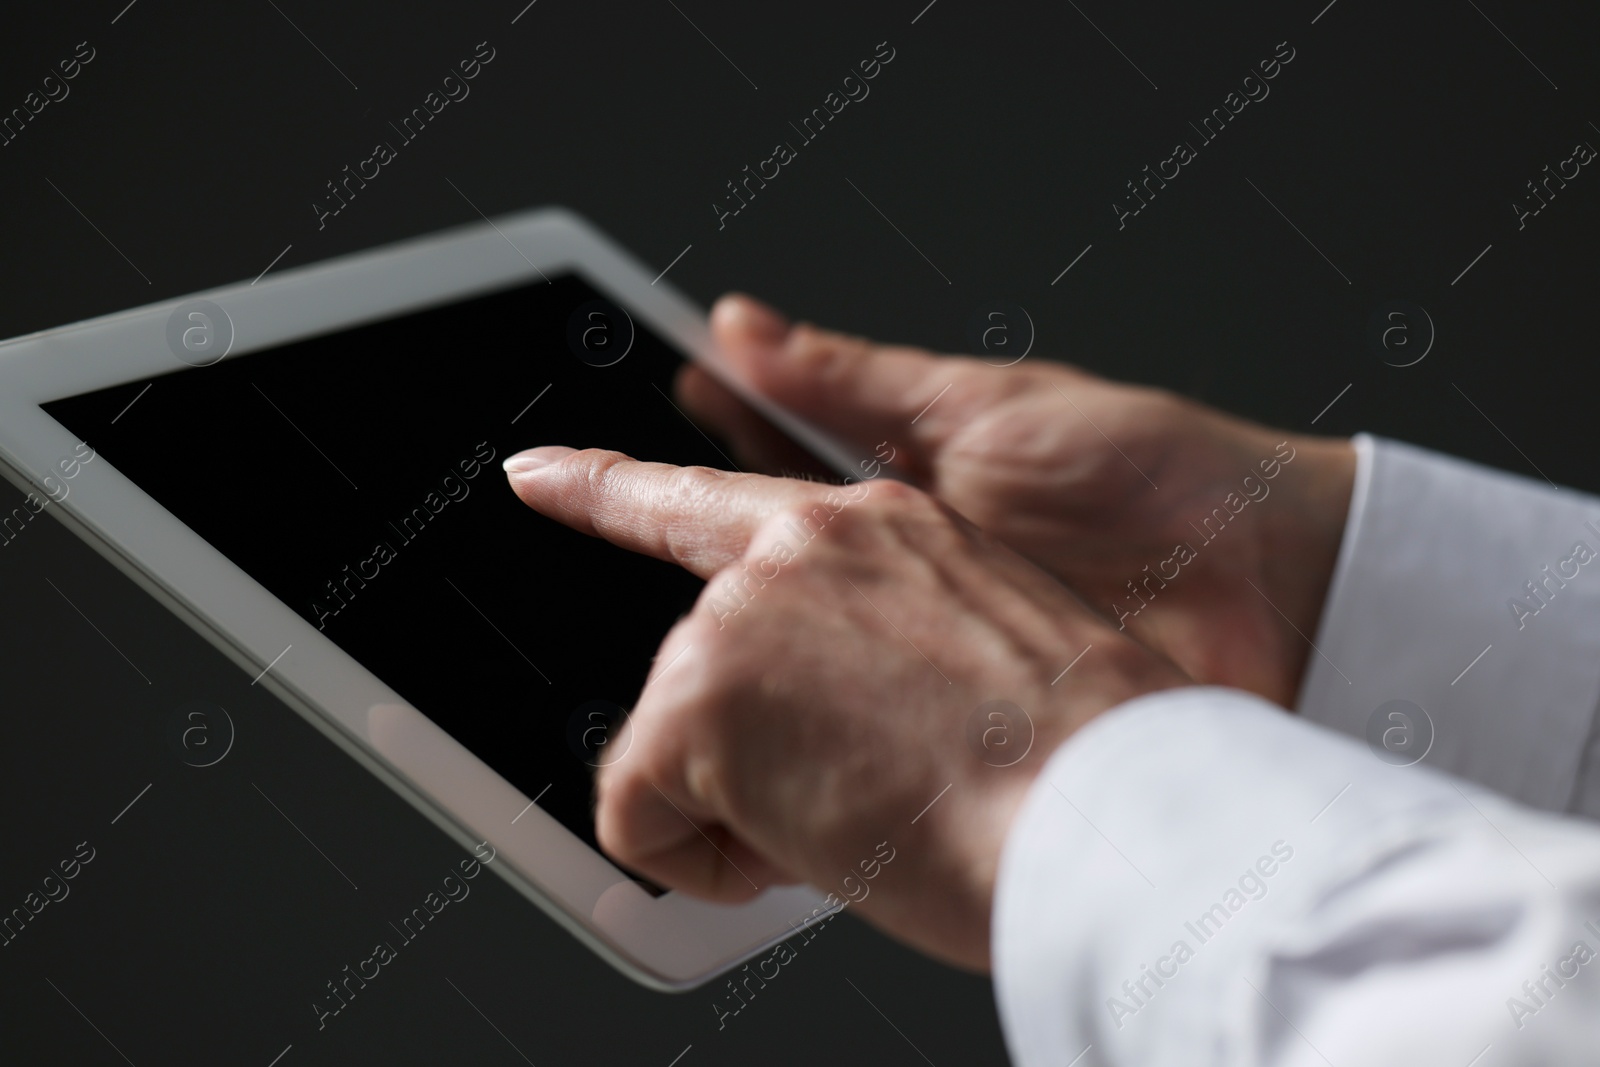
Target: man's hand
(822, 693)
(1208, 537)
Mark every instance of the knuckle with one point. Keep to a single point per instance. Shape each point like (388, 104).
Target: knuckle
(892, 492)
(598, 466)
(782, 540)
(694, 484)
(855, 519)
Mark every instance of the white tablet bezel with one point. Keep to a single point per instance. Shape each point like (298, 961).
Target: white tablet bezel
(672, 942)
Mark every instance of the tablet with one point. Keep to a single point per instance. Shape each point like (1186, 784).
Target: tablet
(307, 469)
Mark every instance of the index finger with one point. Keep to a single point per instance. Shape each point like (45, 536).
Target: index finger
(697, 517)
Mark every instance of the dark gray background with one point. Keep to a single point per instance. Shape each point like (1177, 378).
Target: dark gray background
(996, 141)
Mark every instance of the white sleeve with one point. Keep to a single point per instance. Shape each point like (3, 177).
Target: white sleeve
(1198, 879)
(1474, 595)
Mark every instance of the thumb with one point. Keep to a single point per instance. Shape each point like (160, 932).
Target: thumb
(856, 390)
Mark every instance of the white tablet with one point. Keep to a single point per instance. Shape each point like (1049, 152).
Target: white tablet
(307, 469)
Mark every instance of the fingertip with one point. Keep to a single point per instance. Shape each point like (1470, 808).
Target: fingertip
(532, 459)
(739, 319)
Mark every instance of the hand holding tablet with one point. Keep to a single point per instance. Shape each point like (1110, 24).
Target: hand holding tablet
(1152, 507)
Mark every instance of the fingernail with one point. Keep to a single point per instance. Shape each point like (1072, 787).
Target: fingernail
(751, 316)
(534, 458)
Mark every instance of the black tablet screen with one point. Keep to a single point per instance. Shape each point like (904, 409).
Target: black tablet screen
(356, 475)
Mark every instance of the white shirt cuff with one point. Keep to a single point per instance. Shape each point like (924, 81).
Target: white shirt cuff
(1465, 591)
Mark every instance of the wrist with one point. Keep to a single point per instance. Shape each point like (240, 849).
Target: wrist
(1115, 671)
(1300, 542)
